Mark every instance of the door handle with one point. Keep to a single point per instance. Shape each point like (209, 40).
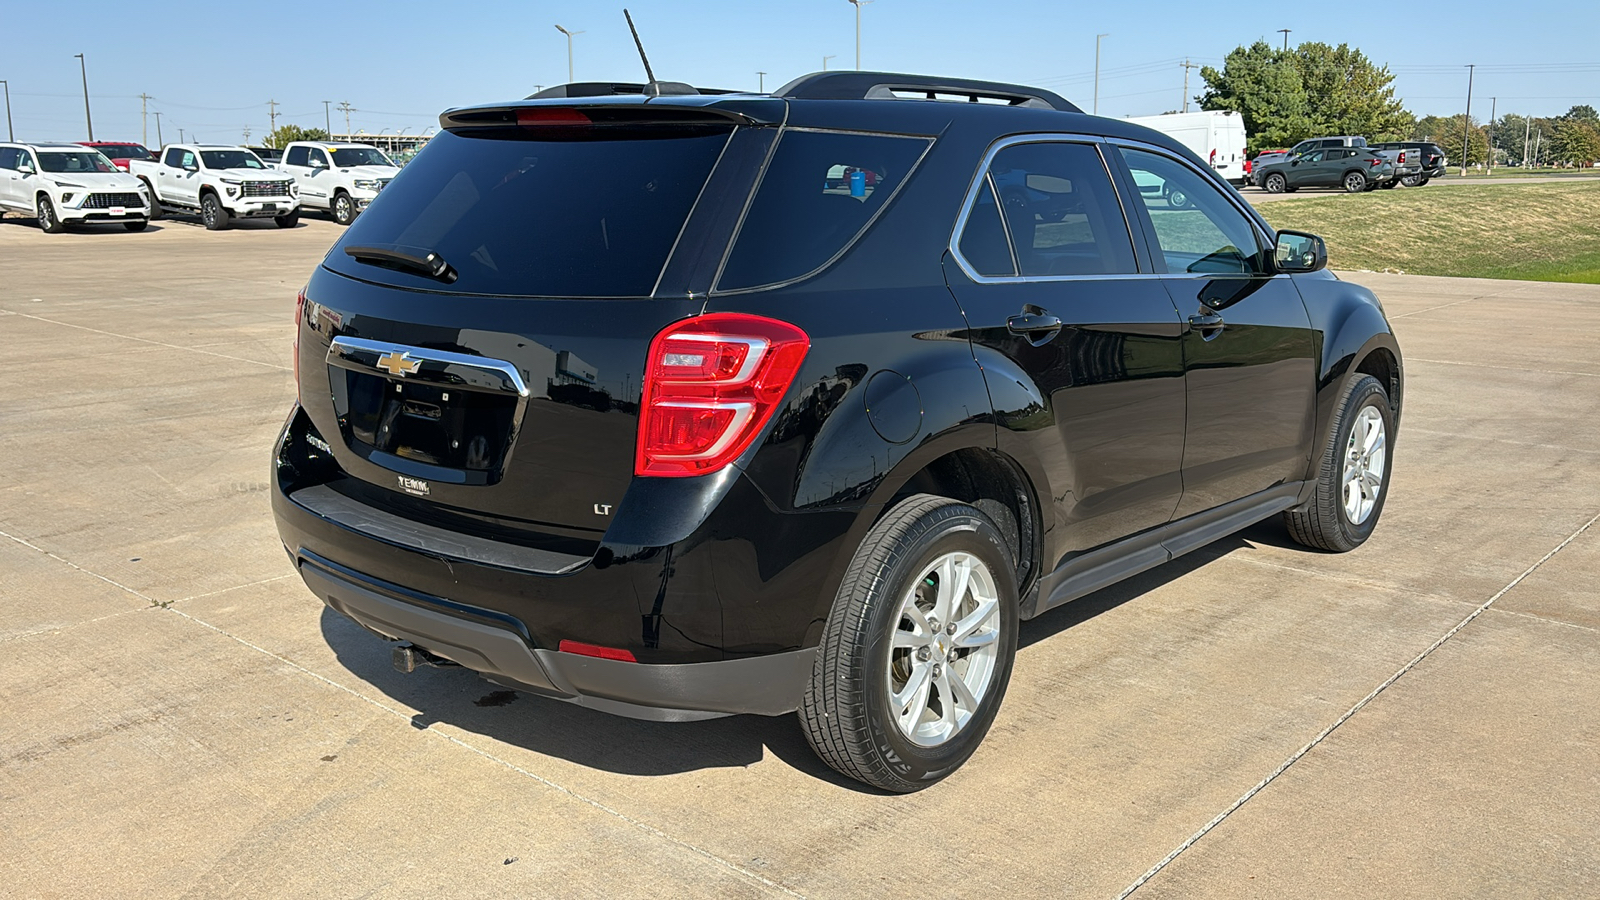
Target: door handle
(1037, 327)
(1209, 324)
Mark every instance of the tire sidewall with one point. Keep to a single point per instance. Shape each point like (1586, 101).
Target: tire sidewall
(1368, 393)
(966, 531)
(343, 201)
(1359, 179)
(1275, 183)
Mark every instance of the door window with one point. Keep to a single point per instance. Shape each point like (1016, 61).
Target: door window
(187, 161)
(1059, 211)
(317, 156)
(174, 157)
(1197, 229)
(8, 157)
(297, 156)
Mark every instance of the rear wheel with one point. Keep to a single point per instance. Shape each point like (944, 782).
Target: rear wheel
(918, 648)
(1390, 184)
(344, 208)
(135, 226)
(287, 220)
(1355, 182)
(49, 222)
(1422, 180)
(1276, 183)
(1354, 473)
(212, 212)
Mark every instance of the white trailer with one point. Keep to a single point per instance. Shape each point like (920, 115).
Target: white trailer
(1215, 136)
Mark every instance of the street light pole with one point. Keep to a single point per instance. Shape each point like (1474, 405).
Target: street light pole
(825, 61)
(1494, 104)
(858, 4)
(159, 142)
(84, 69)
(1285, 33)
(570, 35)
(10, 135)
(1097, 71)
(327, 119)
(1466, 123)
(761, 83)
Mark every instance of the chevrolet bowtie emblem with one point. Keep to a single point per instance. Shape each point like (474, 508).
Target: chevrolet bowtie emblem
(399, 362)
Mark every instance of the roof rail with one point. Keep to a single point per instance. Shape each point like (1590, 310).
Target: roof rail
(897, 86)
(616, 88)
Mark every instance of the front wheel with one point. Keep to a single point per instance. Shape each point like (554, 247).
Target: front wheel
(1355, 182)
(1354, 473)
(49, 222)
(344, 208)
(135, 226)
(1276, 183)
(213, 213)
(918, 648)
(287, 220)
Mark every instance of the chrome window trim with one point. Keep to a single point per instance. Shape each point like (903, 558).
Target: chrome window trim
(967, 204)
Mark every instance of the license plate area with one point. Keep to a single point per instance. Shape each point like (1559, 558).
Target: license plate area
(390, 422)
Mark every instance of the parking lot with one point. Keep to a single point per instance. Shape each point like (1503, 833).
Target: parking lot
(182, 718)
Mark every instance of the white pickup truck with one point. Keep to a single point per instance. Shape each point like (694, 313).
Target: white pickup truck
(220, 183)
(341, 178)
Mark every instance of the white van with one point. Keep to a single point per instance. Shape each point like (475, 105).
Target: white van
(1215, 136)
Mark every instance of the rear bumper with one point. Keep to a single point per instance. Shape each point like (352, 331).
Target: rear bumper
(497, 646)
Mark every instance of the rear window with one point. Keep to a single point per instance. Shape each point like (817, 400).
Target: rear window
(124, 151)
(820, 191)
(516, 215)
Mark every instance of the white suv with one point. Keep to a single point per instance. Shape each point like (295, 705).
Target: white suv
(341, 178)
(69, 184)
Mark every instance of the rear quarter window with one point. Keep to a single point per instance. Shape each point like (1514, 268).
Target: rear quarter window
(820, 192)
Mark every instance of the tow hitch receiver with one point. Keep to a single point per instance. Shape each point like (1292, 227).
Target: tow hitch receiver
(407, 658)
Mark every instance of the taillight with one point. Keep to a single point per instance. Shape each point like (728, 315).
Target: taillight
(710, 385)
(1402, 157)
(299, 317)
(1375, 161)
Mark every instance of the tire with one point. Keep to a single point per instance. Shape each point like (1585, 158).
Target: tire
(1355, 182)
(1390, 185)
(1276, 183)
(155, 204)
(343, 208)
(288, 220)
(1413, 181)
(1290, 190)
(49, 222)
(135, 226)
(1331, 520)
(212, 212)
(1177, 199)
(871, 648)
(1423, 180)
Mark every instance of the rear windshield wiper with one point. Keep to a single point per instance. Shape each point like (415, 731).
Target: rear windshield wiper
(405, 259)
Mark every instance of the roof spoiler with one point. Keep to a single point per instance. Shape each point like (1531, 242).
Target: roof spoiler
(897, 86)
(621, 88)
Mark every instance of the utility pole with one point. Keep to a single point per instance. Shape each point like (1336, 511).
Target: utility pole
(272, 116)
(10, 134)
(180, 137)
(159, 142)
(1466, 124)
(347, 109)
(570, 35)
(83, 67)
(1527, 132)
(858, 4)
(327, 124)
(1285, 33)
(1494, 103)
(761, 84)
(247, 134)
(144, 119)
(825, 61)
(1097, 38)
(1186, 67)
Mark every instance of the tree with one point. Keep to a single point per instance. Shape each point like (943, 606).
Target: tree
(1286, 96)
(1574, 141)
(1263, 85)
(1584, 113)
(1509, 133)
(288, 134)
(1447, 133)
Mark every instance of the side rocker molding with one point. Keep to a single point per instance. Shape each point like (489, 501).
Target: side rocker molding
(1092, 570)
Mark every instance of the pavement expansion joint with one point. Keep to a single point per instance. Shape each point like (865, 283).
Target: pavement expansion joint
(1478, 365)
(1360, 705)
(129, 337)
(704, 854)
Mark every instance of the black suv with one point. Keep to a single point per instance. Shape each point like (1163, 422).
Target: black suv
(685, 404)
(1431, 156)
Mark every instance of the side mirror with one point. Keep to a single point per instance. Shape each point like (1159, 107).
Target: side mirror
(1298, 252)
(318, 164)
(191, 167)
(26, 169)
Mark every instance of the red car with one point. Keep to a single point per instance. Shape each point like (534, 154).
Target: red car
(119, 152)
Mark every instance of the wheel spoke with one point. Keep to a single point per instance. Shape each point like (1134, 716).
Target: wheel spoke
(962, 692)
(947, 701)
(953, 577)
(1374, 441)
(913, 698)
(974, 621)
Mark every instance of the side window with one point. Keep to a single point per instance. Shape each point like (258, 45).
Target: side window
(983, 239)
(187, 160)
(173, 158)
(1060, 210)
(8, 157)
(317, 156)
(1314, 157)
(1197, 228)
(297, 156)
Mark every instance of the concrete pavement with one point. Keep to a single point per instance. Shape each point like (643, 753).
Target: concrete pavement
(182, 718)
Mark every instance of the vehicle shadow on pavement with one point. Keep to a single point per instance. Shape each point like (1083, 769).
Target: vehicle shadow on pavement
(458, 697)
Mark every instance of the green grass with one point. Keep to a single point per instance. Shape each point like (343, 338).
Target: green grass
(1526, 232)
(1511, 171)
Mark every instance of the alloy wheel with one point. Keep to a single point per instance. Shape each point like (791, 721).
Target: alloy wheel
(943, 651)
(1364, 458)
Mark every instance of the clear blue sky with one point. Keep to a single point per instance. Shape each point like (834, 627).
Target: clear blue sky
(401, 62)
